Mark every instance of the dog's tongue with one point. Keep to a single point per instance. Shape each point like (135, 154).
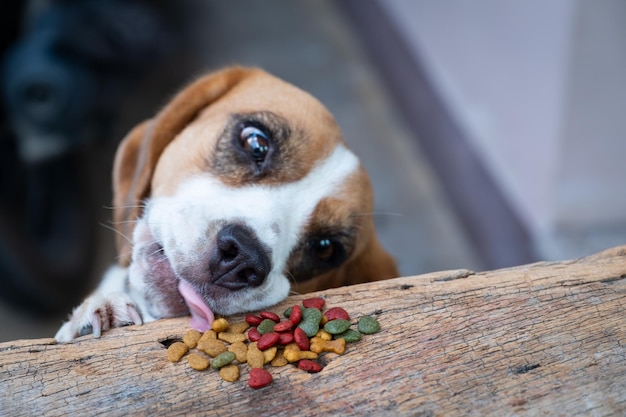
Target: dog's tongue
(201, 315)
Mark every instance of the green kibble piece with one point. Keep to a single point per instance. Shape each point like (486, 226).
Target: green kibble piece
(337, 326)
(368, 325)
(287, 312)
(222, 359)
(266, 326)
(312, 315)
(310, 327)
(349, 335)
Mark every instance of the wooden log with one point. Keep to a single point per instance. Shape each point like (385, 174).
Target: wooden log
(541, 339)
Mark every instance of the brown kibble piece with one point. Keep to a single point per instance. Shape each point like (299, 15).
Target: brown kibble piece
(239, 327)
(208, 335)
(294, 355)
(212, 347)
(198, 361)
(255, 358)
(279, 359)
(323, 334)
(240, 349)
(269, 354)
(292, 346)
(232, 337)
(191, 338)
(176, 351)
(220, 325)
(319, 345)
(229, 373)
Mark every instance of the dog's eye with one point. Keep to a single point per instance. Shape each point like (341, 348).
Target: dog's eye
(255, 142)
(327, 250)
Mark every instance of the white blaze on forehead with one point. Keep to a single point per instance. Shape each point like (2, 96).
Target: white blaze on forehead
(277, 213)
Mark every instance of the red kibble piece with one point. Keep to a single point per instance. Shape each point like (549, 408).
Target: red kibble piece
(336, 313)
(283, 326)
(315, 302)
(253, 334)
(259, 378)
(301, 339)
(285, 339)
(309, 365)
(253, 320)
(296, 315)
(267, 340)
(270, 316)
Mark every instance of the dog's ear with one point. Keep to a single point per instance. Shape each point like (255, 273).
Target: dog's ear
(140, 150)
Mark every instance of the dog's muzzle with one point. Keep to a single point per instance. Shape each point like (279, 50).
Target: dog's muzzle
(239, 259)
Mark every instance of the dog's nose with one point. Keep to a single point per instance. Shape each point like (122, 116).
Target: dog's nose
(239, 260)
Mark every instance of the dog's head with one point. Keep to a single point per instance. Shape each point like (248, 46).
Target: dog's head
(238, 190)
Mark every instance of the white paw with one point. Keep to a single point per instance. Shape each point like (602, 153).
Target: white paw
(99, 313)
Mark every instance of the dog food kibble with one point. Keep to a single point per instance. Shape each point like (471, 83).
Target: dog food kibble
(259, 378)
(231, 337)
(253, 320)
(337, 326)
(263, 340)
(266, 326)
(270, 354)
(293, 355)
(253, 334)
(368, 325)
(283, 326)
(301, 339)
(229, 373)
(309, 365)
(285, 338)
(191, 338)
(268, 340)
(349, 336)
(316, 302)
(270, 316)
(198, 361)
(223, 359)
(295, 315)
(310, 321)
(238, 327)
(240, 349)
(255, 357)
(279, 359)
(324, 335)
(336, 313)
(220, 325)
(319, 345)
(176, 351)
(212, 347)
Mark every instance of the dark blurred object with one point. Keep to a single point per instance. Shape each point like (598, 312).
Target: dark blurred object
(60, 84)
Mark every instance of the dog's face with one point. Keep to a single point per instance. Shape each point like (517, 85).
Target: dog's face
(240, 189)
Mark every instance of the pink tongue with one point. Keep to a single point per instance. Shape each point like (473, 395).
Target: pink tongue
(201, 315)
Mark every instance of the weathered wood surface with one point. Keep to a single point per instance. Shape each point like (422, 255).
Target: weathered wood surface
(542, 339)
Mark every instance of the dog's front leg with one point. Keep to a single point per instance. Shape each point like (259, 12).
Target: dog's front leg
(109, 306)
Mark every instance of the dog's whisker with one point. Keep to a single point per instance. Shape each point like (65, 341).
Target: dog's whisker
(128, 239)
(160, 249)
(125, 222)
(379, 213)
(142, 206)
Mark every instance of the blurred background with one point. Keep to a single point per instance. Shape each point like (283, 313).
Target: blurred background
(493, 131)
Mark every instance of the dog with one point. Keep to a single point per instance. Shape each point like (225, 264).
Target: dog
(240, 190)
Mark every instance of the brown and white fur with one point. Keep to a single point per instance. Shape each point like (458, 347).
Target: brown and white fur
(240, 190)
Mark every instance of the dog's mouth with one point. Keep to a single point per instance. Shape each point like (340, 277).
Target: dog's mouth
(201, 315)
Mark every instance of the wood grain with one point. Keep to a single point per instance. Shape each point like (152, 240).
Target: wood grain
(540, 339)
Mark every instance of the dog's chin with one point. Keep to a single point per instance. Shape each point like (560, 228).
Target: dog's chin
(170, 293)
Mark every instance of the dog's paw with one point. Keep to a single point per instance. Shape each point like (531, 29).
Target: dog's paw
(99, 313)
